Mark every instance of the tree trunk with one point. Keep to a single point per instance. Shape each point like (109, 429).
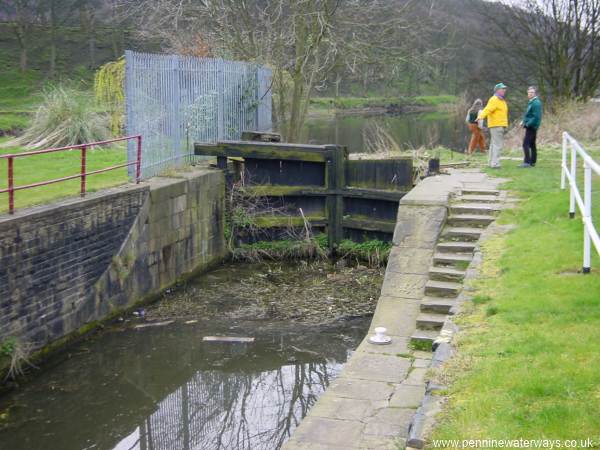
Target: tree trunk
(22, 40)
(21, 28)
(92, 48)
(53, 25)
(87, 21)
(296, 107)
(23, 59)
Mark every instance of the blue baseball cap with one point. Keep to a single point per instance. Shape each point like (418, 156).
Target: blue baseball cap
(500, 86)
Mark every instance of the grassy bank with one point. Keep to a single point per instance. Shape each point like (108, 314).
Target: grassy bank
(528, 351)
(56, 165)
(379, 102)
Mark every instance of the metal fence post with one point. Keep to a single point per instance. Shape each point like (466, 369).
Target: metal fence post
(587, 216)
(11, 187)
(130, 100)
(138, 163)
(573, 183)
(220, 100)
(563, 174)
(83, 170)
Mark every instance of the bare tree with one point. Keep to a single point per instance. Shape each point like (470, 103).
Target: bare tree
(304, 41)
(88, 10)
(24, 13)
(559, 40)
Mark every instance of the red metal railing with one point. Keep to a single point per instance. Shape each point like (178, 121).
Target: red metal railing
(11, 189)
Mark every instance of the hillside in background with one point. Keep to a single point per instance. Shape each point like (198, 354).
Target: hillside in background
(452, 51)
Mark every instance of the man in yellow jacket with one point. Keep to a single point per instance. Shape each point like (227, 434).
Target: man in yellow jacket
(496, 113)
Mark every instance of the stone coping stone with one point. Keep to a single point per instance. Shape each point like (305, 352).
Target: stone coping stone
(419, 227)
(402, 285)
(398, 315)
(416, 261)
(91, 198)
(377, 367)
(432, 191)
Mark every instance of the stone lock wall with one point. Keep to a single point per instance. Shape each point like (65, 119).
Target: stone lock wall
(78, 261)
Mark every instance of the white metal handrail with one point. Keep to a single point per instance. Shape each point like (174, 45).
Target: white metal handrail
(569, 172)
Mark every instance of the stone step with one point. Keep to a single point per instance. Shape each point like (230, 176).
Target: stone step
(474, 208)
(479, 191)
(462, 233)
(424, 337)
(452, 258)
(456, 247)
(478, 198)
(470, 220)
(429, 321)
(446, 274)
(438, 305)
(442, 288)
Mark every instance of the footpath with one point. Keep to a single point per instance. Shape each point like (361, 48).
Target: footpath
(383, 399)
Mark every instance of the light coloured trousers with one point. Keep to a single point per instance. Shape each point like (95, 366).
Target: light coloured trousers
(496, 144)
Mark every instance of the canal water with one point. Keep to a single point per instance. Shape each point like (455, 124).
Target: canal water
(410, 131)
(152, 382)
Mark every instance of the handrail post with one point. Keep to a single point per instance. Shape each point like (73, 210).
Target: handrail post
(11, 187)
(587, 216)
(573, 182)
(83, 169)
(138, 162)
(563, 174)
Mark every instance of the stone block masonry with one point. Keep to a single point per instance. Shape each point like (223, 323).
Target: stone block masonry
(65, 265)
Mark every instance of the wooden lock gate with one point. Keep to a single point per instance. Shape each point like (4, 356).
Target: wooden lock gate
(354, 199)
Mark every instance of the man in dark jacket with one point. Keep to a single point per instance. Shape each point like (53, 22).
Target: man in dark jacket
(531, 122)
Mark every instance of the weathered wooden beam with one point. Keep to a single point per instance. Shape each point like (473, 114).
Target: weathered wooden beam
(374, 194)
(263, 150)
(289, 221)
(387, 174)
(336, 182)
(278, 190)
(261, 136)
(222, 162)
(370, 225)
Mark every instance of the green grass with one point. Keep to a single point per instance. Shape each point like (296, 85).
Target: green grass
(527, 365)
(56, 165)
(436, 100)
(373, 102)
(366, 250)
(19, 96)
(12, 121)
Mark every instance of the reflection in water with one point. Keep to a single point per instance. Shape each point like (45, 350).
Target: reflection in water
(215, 410)
(164, 388)
(408, 130)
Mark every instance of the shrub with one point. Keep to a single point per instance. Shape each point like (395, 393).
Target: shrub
(582, 120)
(109, 88)
(66, 116)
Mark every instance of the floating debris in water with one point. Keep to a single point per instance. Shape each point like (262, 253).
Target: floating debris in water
(227, 339)
(154, 324)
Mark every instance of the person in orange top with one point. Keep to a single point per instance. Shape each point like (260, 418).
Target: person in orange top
(477, 138)
(496, 113)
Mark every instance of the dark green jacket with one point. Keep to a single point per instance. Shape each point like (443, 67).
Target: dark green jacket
(533, 115)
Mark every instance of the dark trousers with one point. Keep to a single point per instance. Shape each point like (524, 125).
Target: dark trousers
(529, 147)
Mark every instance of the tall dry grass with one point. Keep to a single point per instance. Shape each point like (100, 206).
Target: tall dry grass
(67, 116)
(379, 143)
(581, 120)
